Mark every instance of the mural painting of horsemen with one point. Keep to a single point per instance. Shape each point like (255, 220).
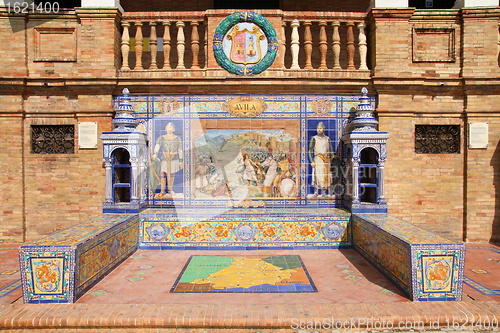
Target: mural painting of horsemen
(171, 157)
(323, 162)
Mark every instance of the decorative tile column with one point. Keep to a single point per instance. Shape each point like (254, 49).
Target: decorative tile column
(124, 139)
(364, 155)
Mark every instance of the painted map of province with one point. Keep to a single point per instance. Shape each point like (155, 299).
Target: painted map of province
(244, 274)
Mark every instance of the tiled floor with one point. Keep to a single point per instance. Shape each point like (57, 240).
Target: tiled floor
(10, 278)
(148, 276)
(482, 272)
(135, 297)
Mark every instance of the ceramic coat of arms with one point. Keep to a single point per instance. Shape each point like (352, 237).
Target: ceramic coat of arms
(245, 43)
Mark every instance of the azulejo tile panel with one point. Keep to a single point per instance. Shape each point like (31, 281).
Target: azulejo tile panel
(82, 232)
(47, 274)
(59, 268)
(438, 272)
(270, 228)
(216, 132)
(109, 249)
(399, 228)
(384, 251)
(436, 264)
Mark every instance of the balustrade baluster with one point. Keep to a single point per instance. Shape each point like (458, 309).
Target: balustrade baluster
(295, 44)
(350, 45)
(138, 45)
(153, 45)
(206, 43)
(283, 44)
(362, 46)
(308, 44)
(323, 47)
(336, 45)
(195, 44)
(125, 45)
(498, 46)
(166, 44)
(181, 41)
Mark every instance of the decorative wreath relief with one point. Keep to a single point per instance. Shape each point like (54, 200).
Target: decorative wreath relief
(245, 43)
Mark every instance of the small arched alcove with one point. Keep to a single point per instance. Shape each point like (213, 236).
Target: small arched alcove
(368, 175)
(122, 173)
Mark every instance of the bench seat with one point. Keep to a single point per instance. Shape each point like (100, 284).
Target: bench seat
(425, 266)
(60, 268)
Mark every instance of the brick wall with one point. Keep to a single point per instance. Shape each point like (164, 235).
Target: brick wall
(483, 172)
(11, 181)
(420, 82)
(13, 55)
(424, 189)
(62, 190)
(70, 46)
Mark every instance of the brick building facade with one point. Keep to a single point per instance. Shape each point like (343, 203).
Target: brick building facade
(426, 67)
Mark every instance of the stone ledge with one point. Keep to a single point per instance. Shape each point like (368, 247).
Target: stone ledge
(131, 317)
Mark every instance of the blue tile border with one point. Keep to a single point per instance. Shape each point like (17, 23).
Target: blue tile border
(10, 288)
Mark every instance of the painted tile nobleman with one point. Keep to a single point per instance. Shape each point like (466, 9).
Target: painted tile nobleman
(321, 154)
(171, 159)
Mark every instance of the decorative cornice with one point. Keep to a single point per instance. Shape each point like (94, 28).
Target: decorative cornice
(391, 13)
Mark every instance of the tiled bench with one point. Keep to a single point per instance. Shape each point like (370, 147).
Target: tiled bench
(425, 266)
(244, 229)
(62, 267)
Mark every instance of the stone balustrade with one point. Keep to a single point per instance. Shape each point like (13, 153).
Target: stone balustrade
(308, 41)
(310, 30)
(178, 46)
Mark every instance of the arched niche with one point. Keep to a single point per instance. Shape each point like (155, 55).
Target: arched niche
(368, 175)
(122, 175)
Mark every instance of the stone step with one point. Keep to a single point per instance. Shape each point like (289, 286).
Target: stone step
(451, 316)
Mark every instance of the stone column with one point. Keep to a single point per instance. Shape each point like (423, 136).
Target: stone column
(381, 187)
(195, 44)
(109, 181)
(181, 41)
(355, 180)
(98, 3)
(125, 45)
(350, 45)
(336, 45)
(295, 44)
(143, 169)
(153, 42)
(283, 44)
(308, 44)
(388, 4)
(362, 46)
(134, 181)
(166, 44)
(323, 44)
(138, 45)
(475, 3)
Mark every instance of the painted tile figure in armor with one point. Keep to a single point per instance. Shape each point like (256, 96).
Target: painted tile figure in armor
(171, 158)
(322, 159)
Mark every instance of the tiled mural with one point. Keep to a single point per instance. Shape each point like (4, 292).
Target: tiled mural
(250, 228)
(214, 149)
(427, 267)
(61, 267)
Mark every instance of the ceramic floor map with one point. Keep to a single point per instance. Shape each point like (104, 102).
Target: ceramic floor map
(244, 274)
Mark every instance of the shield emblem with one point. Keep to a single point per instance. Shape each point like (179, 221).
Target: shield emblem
(245, 45)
